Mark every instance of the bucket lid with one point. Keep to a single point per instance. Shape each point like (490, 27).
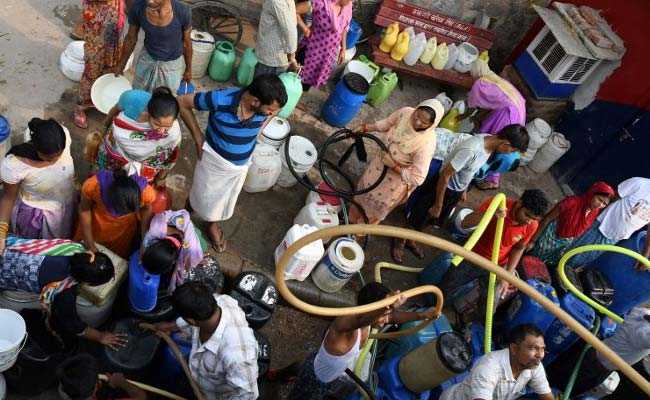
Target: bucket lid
(302, 151)
(356, 83)
(454, 352)
(349, 253)
(328, 198)
(277, 129)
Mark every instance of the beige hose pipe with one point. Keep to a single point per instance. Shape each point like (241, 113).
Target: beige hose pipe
(401, 233)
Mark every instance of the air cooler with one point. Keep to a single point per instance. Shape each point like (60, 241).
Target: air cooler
(551, 70)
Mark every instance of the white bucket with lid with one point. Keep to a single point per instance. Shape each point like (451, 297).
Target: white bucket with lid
(264, 169)
(305, 259)
(13, 336)
(343, 259)
(202, 48)
(319, 215)
(275, 132)
(302, 154)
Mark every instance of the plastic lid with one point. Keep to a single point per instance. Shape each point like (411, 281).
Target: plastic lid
(356, 83)
(277, 129)
(454, 352)
(301, 150)
(328, 198)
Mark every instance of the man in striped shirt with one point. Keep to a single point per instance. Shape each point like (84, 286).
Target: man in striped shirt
(236, 117)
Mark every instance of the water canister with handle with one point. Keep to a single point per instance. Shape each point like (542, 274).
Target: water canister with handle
(453, 56)
(5, 137)
(632, 287)
(202, 48)
(381, 89)
(344, 258)
(143, 286)
(302, 156)
(400, 49)
(304, 260)
(275, 132)
(429, 50)
(346, 100)
(415, 49)
(222, 61)
(293, 86)
(440, 58)
(547, 155)
(264, 170)
(13, 336)
(354, 34)
(389, 38)
(538, 131)
(319, 215)
(467, 54)
(246, 69)
(525, 310)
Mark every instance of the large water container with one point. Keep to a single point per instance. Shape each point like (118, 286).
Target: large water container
(264, 170)
(302, 156)
(293, 86)
(558, 337)
(5, 137)
(202, 48)
(416, 49)
(275, 132)
(305, 259)
(246, 69)
(632, 288)
(222, 61)
(143, 286)
(346, 100)
(404, 344)
(525, 310)
(354, 33)
(549, 153)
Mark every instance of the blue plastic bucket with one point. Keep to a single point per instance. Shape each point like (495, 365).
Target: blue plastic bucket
(631, 287)
(5, 128)
(346, 100)
(143, 286)
(354, 34)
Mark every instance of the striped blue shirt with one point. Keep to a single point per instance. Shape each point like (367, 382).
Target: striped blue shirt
(230, 137)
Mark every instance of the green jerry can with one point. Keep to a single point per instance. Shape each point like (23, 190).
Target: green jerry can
(222, 62)
(381, 88)
(246, 69)
(374, 67)
(292, 84)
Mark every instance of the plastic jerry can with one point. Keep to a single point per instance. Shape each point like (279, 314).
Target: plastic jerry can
(293, 86)
(429, 50)
(390, 37)
(381, 88)
(440, 58)
(400, 49)
(246, 69)
(416, 49)
(222, 61)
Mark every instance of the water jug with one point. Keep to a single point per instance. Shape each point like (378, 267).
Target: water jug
(354, 33)
(346, 100)
(429, 50)
(400, 49)
(450, 121)
(292, 85)
(453, 56)
(416, 50)
(390, 37)
(143, 286)
(441, 57)
(246, 69)
(381, 88)
(222, 62)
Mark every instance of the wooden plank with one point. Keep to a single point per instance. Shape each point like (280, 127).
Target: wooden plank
(386, 16)
(438, 19)
(447, 76)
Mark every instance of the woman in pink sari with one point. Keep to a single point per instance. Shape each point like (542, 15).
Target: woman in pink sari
(326, 44)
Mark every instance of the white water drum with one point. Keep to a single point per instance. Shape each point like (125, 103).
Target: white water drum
(538, 131)
(319, 215)
(264, 169)
(552, 150)
(202, 48)
(305, 259)
(12, 337)
(302, 154)
(343, 259)
(275, 132)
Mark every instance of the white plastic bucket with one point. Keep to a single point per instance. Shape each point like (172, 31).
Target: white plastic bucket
(360, 68)
(458, 222)
(344, 258)
(202, 48)
(275, 132)
(264, 169)
(71, 61)
(13, 336)
(552, 150)
(319, 215)
(305, 259)
(538, 131)
(302, 154)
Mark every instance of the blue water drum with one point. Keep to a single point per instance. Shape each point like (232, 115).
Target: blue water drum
(143, 286)
(632, 288)
(558, 337)
(354, 34)
(524, 310)
(169, 368)
(346, 100)
(5, 128)
(404, 344)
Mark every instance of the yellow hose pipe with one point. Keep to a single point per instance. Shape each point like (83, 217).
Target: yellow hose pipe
(595, 247)
(395, 267)
(401, 233)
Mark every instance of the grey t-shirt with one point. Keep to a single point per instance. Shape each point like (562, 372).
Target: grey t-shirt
(466, 159)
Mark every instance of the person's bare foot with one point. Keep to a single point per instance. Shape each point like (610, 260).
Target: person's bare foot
(415, 249)
(217, 237)
(397, 250)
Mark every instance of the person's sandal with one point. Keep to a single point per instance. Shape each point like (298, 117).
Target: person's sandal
(397, 250)
(415, 249)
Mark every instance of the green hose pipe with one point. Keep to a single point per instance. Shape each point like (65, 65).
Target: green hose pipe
(574, 374)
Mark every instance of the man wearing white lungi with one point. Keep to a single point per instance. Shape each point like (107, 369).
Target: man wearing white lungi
(236, 118)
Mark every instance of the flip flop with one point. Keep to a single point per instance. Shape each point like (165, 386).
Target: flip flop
(80, 119)
(415, 249)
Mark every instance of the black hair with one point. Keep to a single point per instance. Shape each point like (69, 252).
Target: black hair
(518, 333)
(516, 135)
(535, 201)
(95, 273)
(194, 300)
(371, 292)
(46, 137)
(160, 257)
(163, 103)
(78, 376)
(124, 193)
(268, 88)
(430, 111)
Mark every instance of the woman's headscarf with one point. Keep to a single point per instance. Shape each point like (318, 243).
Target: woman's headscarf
(407, 138)
(575, 213)
(481, 70)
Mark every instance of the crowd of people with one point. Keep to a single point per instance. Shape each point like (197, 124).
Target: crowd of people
(429, 173)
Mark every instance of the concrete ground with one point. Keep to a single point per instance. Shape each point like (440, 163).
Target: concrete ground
(32, 35)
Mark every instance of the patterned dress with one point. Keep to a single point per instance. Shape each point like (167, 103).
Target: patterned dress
(322, 47)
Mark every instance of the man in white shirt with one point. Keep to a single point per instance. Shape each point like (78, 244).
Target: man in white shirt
(504, 374)
(223, 360)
